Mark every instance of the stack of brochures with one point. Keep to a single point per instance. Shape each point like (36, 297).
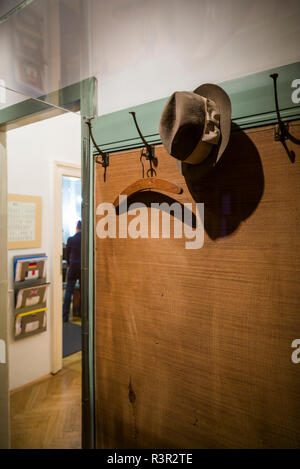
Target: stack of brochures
(31, 289)
(32, 268)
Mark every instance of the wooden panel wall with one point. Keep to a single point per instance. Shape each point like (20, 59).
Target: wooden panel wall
(193, 347)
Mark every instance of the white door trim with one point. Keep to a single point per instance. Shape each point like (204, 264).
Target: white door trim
(4, 311)
(60, 169)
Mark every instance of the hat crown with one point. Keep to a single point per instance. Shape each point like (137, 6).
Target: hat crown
(182, 123)
(195, 126)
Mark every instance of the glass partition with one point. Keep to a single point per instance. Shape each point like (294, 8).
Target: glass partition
(45, 47)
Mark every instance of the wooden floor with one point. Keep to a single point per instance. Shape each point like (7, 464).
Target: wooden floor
(47, 414)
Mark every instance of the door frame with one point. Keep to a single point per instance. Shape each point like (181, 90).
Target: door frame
(71, 170)
(4, 335)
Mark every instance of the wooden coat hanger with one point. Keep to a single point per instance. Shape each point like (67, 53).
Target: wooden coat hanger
(150, 182)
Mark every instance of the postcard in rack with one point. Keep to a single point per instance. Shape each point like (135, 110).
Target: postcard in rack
(31, 296)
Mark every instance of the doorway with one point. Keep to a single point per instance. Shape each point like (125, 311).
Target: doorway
(71, 264)
(67, 210)
(41, 417)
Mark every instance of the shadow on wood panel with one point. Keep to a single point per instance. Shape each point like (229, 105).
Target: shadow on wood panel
(232, 190)
(152, 197)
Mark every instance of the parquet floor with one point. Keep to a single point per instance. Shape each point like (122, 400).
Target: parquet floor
(47, 414)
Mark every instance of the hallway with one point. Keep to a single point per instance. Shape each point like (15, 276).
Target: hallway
(47, 413)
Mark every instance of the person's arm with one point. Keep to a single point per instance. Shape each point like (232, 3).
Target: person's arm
(68, 251)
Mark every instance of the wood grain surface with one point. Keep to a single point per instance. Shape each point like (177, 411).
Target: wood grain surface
(193, 347)
(46, 413)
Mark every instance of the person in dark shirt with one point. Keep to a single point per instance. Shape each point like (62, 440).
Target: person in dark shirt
(73, 257)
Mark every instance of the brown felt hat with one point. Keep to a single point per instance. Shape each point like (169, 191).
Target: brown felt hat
(195, 127)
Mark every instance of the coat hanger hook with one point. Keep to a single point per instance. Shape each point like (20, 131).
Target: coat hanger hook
(282, 129)
(149, 155)
(104, 162)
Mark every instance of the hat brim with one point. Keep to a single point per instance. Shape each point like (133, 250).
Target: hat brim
(222, 100)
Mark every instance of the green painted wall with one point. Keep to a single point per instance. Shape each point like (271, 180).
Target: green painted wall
(252, 99)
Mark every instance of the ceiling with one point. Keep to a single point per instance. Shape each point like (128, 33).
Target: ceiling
(142, 50)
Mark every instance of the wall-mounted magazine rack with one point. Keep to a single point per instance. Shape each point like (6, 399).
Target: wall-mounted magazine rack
(29, 323)
(30, 289)
(30, 269)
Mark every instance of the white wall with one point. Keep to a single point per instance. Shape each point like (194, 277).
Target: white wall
(145, 49)
(31, 152)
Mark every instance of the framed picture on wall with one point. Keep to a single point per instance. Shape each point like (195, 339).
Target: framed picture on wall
(24, 221)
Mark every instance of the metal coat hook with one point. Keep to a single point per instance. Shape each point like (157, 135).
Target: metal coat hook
(104, 162)
(148, 154)
(282, 128)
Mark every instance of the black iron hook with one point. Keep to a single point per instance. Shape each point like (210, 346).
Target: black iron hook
(282, 129)
(149, 154)
(104, 162)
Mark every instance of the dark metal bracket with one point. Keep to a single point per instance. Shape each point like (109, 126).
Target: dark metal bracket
(278, 134)
(104, 161)
(148, 153)
(282, 128)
